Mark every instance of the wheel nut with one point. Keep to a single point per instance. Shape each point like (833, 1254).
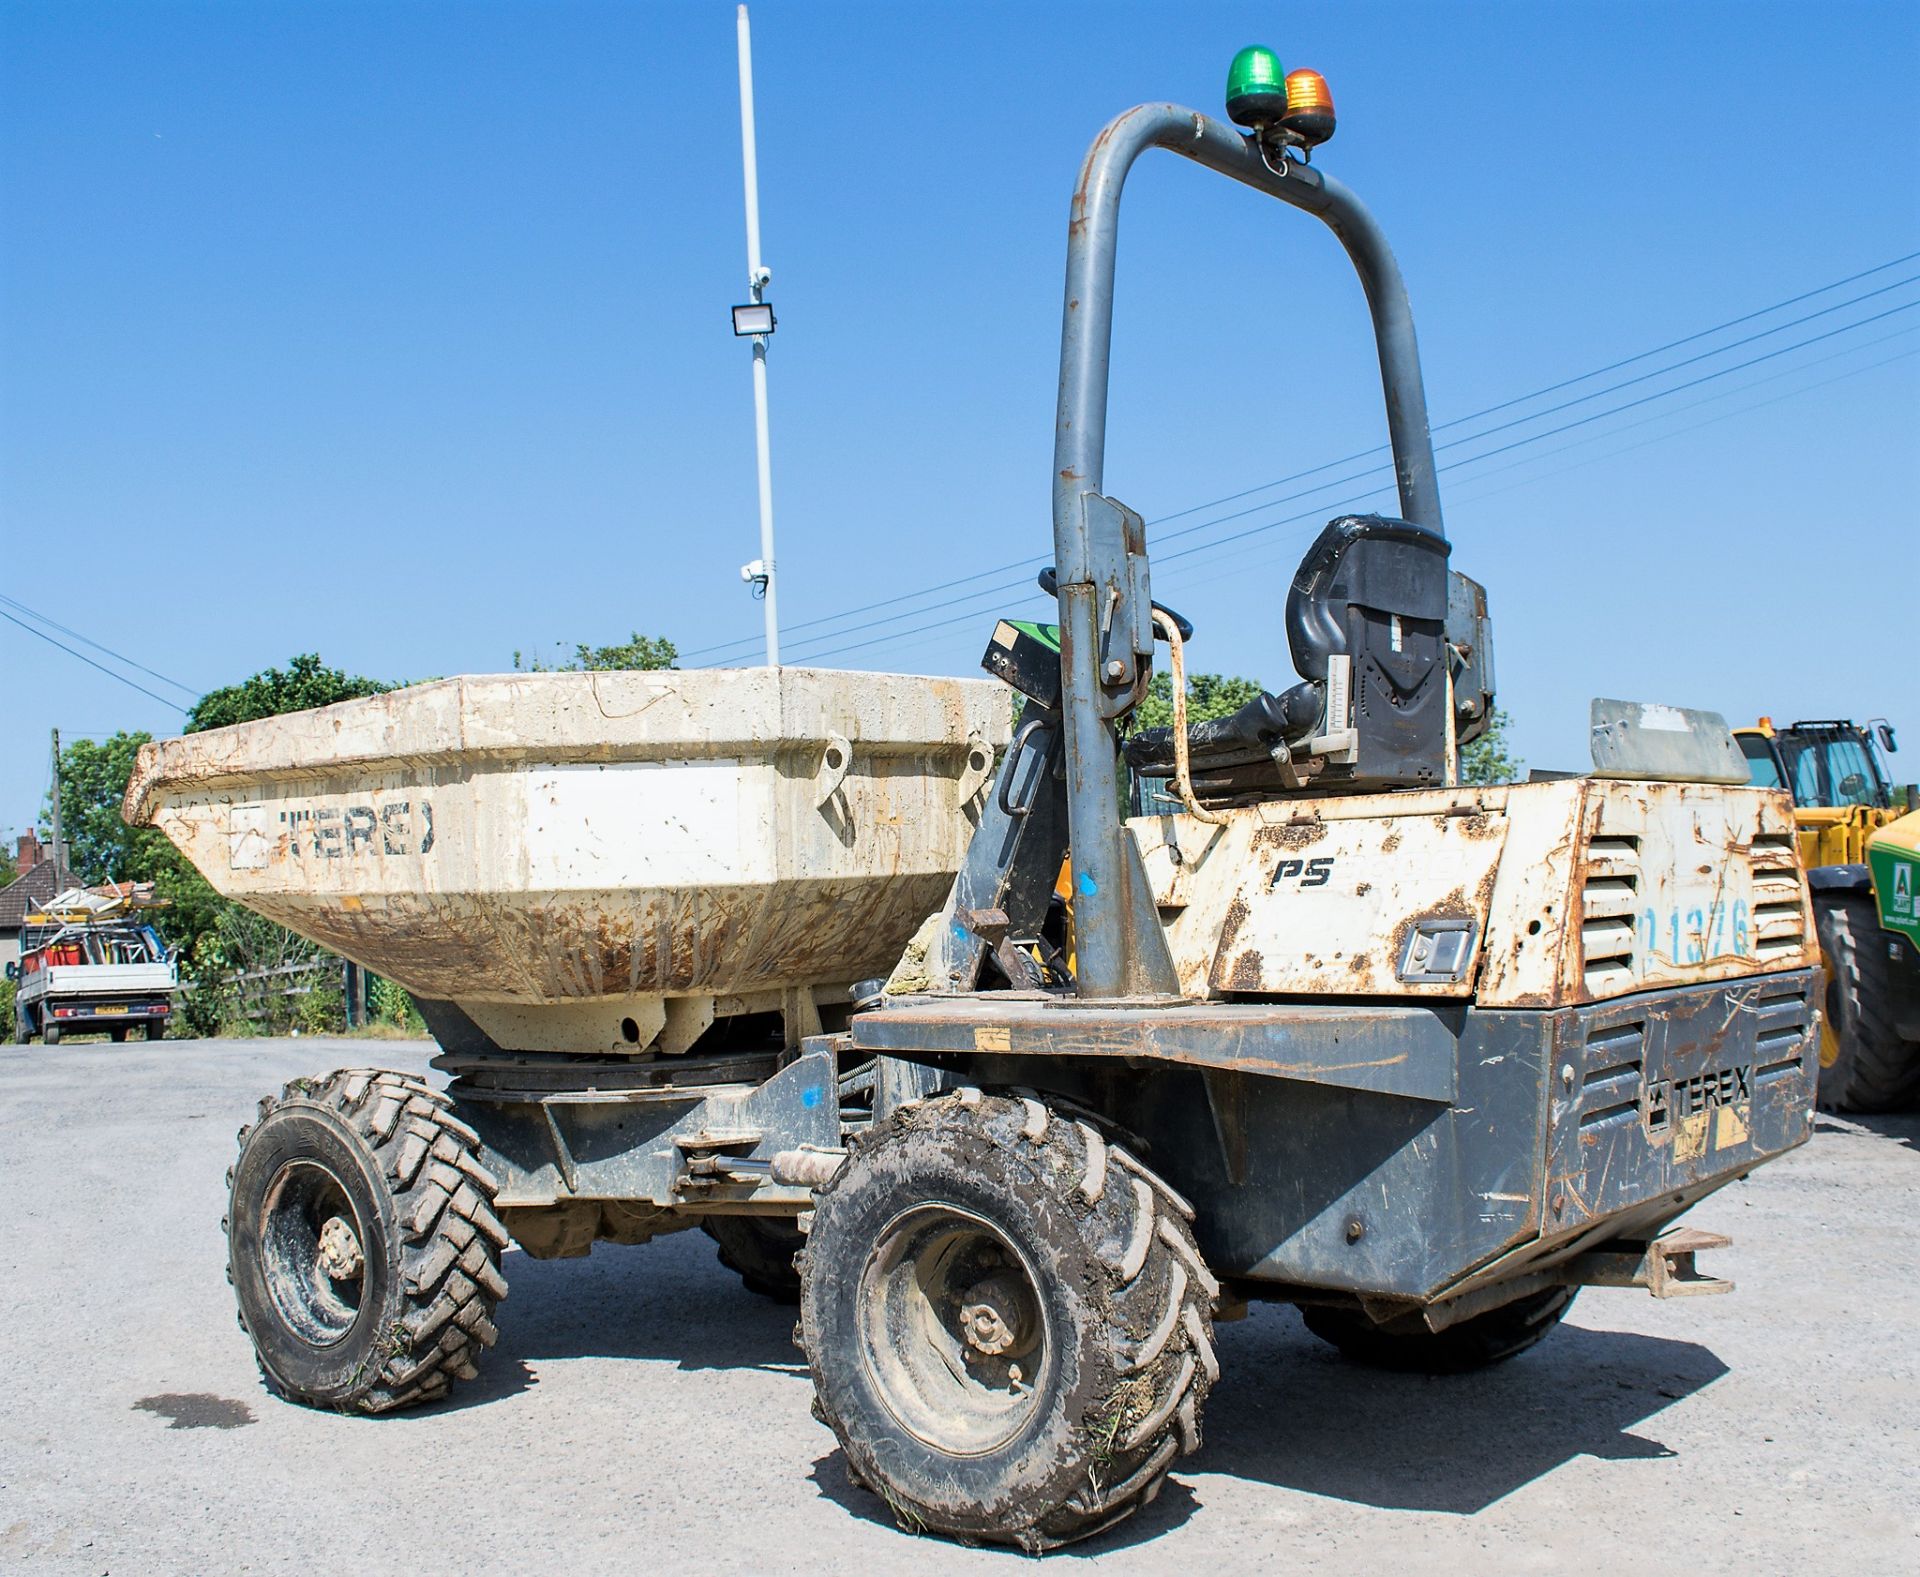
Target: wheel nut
(991, 1320)
(986, 1331)
(340, 1255)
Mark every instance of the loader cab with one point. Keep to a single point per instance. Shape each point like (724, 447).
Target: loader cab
(1826, 764)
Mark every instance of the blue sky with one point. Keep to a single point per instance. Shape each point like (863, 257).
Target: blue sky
(398, 332)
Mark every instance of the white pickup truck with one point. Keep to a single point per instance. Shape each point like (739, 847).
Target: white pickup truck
(90, 964)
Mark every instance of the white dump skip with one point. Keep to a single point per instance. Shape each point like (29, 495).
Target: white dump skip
(596, 861)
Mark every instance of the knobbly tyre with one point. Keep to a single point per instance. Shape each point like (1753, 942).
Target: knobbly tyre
(1324, 1026)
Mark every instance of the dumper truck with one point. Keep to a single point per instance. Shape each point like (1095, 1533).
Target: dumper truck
(782, 953)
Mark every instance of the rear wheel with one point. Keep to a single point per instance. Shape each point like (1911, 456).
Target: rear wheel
(760, 1250)
(1408, 1345)
(117, 1033)
(1864, 1065)
(156, 1029)
(50, 1033)
(362, 1244)
(1008, 1321)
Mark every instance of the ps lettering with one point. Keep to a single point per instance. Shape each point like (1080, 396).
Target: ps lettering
(1316, 872)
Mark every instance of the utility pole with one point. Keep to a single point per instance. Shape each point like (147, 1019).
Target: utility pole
(755, 321)
(59, 859)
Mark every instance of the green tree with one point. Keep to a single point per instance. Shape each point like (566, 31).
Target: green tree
(93, 778)
(8, 870)
(305, 682)
(642, 651)
(1490, 758)
(103, 848)
(1208, 696)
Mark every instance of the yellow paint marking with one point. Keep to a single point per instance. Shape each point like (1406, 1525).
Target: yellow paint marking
(1690, 1138)
(1729, 1128)
(992, 1037)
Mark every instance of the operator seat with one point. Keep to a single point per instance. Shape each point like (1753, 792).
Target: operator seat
(1374, 591)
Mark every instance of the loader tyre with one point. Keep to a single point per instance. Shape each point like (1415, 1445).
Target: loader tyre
(760, 1250)
(1864, 1064)
(1007, 1319)
(1488, 1338)
(361, 1242)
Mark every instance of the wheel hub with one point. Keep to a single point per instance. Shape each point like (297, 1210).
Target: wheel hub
(996, 1316)
(312, 1251)
(953, 1329)
(339, 1250)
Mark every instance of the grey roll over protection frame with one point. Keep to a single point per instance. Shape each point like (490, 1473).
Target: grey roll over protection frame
(1099, 547)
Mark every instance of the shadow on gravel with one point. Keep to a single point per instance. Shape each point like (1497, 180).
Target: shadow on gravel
(1288, 1411)
(1292, 1413)
(670, 1300)
(1314, 1422)
(1901, 1127)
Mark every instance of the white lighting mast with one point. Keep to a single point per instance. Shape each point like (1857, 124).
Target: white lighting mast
(754, 320)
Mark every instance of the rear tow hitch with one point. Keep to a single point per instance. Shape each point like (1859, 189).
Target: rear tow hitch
(1665, 1266)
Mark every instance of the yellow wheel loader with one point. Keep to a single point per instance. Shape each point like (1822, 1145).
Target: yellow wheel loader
(1858, 848)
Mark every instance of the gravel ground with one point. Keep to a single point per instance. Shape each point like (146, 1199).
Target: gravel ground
(643, 1412)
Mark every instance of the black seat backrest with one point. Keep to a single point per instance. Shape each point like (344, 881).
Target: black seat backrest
(1375, 590)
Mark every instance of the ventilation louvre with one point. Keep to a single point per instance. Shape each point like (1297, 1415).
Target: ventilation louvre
(1779, 907)
(1615, 1059)
(1609, 903)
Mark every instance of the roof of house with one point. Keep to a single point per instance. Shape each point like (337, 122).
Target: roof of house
(26, 893)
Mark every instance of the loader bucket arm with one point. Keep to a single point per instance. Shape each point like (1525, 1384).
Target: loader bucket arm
(1099, 547)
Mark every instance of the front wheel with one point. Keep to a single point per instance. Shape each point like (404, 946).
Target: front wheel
(1488, 1338)
(362, 1244)
(1008, 1321)
(1864, 1064)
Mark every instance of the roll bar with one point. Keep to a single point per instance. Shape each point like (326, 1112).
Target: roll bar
(1100, 546)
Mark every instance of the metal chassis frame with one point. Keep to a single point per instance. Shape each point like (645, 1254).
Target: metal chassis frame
(1099, 547)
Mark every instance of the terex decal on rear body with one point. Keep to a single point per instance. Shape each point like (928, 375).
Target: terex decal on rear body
(260, 835)
(330, 833)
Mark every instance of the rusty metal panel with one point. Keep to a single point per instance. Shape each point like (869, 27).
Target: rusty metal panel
(567, 855)
(1327, 897)
(1661, 884)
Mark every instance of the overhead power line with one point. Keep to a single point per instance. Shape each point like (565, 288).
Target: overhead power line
(119, 657)
(1320, 509)
(908, 639)
(1241, 566)
(1297, 476)
(109, 672)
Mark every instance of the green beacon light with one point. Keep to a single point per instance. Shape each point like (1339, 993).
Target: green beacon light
(1256, 88)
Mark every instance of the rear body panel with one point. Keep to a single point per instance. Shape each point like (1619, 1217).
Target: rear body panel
(1573, 891)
